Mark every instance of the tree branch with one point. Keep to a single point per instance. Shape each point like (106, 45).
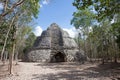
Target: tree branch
(12, 8)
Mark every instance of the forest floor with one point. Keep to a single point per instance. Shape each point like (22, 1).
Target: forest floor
(61, 71)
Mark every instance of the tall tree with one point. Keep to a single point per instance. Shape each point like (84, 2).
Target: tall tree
(102, 11)
(82, 20)
(22, 11)
(104, 8)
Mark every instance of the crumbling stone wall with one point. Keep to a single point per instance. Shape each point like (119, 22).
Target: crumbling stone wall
(53, 44)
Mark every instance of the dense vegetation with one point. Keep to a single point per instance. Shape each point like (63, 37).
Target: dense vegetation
(98, 23)
(16, 18)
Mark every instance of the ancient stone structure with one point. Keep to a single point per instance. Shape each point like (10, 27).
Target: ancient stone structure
(55, 45)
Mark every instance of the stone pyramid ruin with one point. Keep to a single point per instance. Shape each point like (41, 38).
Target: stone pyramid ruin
(55, 45)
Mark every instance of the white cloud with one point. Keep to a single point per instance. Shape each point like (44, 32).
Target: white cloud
(41, 5)
(38, 30)
(1, 6)
(45, 2)
(71, 31)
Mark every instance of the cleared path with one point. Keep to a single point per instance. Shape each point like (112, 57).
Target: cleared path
(61, 71)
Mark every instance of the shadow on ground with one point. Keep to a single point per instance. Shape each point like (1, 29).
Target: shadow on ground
(3, 71)
(75, 71)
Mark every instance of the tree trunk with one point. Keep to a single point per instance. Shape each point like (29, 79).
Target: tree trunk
(103, 55)
(5, 57)
(103, 61)
(115, 57)
(116, 48)
(11, 59)
(16, 57)
(10, 62)
(6, 38)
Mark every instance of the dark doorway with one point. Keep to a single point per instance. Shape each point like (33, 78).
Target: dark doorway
(59, 57)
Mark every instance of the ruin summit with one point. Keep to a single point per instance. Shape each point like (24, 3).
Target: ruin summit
(55, 45)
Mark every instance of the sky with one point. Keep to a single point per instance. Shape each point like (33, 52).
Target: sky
(1, 7)
(55, 11)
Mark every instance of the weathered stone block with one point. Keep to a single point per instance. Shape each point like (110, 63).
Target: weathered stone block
(55, 45)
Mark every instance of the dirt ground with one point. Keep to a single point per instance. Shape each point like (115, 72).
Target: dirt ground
(61, 71)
